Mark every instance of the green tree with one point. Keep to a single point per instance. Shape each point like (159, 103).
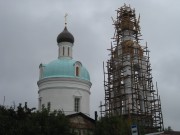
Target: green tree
(168, 129)
(112, 126)
(28, 121)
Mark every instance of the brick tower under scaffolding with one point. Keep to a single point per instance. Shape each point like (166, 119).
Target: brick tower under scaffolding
(129, 89)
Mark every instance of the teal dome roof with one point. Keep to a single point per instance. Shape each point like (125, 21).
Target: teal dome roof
(65, 68)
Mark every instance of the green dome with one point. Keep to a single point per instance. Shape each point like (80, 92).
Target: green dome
(64, 68)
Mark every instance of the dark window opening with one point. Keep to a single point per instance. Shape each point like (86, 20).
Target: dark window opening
(68, 51)
(77, 71)
(63, 50)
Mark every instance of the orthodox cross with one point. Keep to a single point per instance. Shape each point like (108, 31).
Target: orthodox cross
(65, 17)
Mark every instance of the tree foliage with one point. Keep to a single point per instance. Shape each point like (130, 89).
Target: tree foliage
(168, 129)
(26, 121)
(112, 126)
(119, 125)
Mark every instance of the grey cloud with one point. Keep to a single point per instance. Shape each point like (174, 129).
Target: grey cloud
(28, 31)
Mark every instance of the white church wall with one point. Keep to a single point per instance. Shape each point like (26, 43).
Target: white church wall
(61, 93)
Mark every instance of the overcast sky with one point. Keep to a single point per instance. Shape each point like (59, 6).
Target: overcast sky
(28, 31)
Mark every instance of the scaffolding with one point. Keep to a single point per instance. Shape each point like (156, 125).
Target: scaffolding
(128, 84)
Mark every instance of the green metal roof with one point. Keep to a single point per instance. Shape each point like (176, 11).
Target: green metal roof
(64, 68)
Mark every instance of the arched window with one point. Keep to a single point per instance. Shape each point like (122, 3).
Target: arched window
(77, 68)
(68, 51)
(63, 50)
(77, 71)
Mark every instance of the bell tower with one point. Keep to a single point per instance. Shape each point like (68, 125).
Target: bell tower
(129, 88)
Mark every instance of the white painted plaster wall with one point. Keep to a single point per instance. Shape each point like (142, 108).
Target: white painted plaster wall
(60, 92)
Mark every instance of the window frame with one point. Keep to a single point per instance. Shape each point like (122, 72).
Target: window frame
(77, 68)
(77, 105)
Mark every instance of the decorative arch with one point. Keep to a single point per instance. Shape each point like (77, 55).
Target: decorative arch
(77, 66)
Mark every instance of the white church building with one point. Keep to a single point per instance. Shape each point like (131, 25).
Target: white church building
(64, 83)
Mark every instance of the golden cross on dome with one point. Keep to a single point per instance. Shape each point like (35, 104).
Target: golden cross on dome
(65, 17)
